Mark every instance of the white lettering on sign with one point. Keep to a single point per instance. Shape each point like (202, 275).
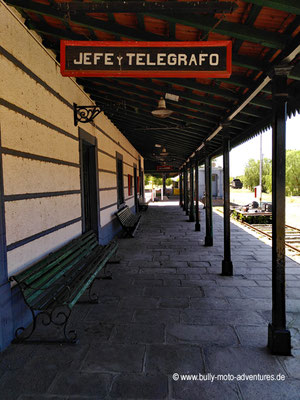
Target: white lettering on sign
(140, 59)
(149, 62)
(108, 59)
(214, 59)
(202, 58)
(97, 56)
(130, 57)
(146, 59)
(120, 58)
(172, 59)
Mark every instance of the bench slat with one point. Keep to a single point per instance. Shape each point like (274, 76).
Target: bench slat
(54, 271)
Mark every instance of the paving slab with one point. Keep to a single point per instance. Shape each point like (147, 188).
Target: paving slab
(150, 387)
(168, 310)
(170, 359)
(114, 358)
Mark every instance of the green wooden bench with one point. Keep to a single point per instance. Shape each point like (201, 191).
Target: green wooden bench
(52, 286)
(128, 220)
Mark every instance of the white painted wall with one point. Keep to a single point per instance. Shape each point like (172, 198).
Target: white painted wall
(36, 118)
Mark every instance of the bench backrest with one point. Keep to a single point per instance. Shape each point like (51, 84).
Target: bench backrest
(124, 214)
(38, 277)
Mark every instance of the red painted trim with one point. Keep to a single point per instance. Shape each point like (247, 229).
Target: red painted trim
(164, 168)
(129, 185)
(211, 43)
(146, 74)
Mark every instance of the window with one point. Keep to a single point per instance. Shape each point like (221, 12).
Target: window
(120, 180)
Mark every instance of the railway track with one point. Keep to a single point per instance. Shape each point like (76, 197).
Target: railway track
(292, 234)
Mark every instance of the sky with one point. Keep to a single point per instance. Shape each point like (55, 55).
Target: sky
(240, 155)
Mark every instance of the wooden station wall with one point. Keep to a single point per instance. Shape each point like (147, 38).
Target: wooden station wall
(40, 157)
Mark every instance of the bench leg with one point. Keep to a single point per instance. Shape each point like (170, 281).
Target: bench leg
(59, 317)
(19, 338)
(93, 296)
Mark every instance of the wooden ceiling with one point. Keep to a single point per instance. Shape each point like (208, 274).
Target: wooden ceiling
(263, 33)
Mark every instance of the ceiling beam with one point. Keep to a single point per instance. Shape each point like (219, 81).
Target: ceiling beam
(232, 29)
(199, 120)
(295, 73)
(289, 6)
(169, 6)
(85, 21)
(140, 120)
(145, 115)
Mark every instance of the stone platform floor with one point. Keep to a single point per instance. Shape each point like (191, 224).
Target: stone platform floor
(168, 311)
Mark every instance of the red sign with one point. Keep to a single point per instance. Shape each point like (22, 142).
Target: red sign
(164, 168)
(146, 59)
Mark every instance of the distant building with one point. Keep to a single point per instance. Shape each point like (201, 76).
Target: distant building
(216, 182)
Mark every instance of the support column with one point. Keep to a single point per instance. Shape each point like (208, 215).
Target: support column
(197, 224)
(227, 267)
(184, 189)
(192, 209)
(187, 191)
(279, 338)
(208, 203)
(180, 190)
(164, 185)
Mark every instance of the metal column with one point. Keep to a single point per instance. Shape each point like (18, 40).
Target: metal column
(279, 338)
(164, 186)
(184, 189)
(197, 224)
(227, 268)
(208, 203)
(187, 192)
(192, 209)
(180, 190)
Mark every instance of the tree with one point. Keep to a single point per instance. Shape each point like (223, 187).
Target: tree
(251, 177)
(293, 173)
(169, 182)
(147, 179)
(157, 181)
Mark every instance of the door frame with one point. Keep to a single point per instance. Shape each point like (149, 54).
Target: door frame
(92, 141)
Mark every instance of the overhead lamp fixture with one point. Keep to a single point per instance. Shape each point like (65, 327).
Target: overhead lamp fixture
(161, 111)
(158, 145)
(164, 152)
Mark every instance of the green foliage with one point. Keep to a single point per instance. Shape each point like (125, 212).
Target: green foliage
(293, 173)
(251, 177)
(169, 182)
(251, 219)
(157, 181)
(147, 179)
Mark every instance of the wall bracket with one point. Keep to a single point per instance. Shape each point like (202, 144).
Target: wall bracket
(85, 114)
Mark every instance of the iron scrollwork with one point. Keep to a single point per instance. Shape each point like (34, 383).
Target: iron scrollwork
(85, 114)
(58, 316)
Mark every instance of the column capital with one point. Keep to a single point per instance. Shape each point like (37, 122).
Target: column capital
(282, 69)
